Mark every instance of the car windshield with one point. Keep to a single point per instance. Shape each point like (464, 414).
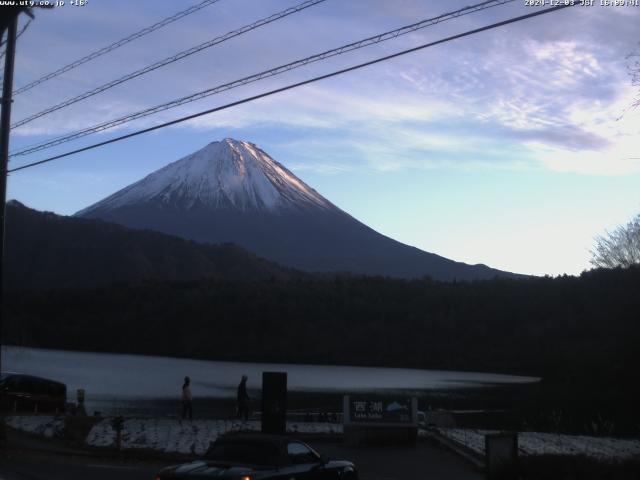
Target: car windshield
(251, 453)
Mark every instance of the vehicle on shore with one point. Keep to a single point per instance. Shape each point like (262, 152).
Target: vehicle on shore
(26, 393)
(261, 457)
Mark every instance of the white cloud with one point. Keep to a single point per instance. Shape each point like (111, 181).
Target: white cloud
(552, 87)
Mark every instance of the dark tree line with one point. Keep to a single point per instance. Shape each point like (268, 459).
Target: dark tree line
(581, 334)
(45, 250)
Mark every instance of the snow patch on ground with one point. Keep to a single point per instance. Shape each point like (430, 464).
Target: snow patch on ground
(536, 443)
(46, 426)
(171, 435)
(184, 436)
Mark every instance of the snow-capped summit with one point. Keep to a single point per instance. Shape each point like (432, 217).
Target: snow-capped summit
(232, 191)
(228, 174)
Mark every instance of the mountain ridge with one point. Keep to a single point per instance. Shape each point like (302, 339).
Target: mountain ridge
(232, 191)
(243, 177)
(45, 250)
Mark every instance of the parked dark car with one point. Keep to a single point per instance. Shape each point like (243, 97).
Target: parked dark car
(261, 457)
(26, 393)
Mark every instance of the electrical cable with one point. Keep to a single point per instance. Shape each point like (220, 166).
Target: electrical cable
(22, 30)
(295, 85)
(169, 60)
(115, 45)
(261, 75)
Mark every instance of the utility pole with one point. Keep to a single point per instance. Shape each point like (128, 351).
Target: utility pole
(8, 22)
(5, 128)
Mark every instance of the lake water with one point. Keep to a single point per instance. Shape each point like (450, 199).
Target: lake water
(156, 377)
(108, 378)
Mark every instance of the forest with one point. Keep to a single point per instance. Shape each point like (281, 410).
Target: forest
(580, 334)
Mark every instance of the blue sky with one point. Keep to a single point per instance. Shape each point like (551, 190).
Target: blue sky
(513, 148)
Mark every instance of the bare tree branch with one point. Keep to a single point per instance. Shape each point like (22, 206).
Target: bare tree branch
(633, 68)
(620, 248)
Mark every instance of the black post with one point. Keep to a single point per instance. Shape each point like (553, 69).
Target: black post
(5, 128)
(274, 402)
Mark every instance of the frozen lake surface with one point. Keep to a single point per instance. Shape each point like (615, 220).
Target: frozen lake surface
(138, 376)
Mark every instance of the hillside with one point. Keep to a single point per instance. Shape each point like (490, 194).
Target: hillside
(45, 250)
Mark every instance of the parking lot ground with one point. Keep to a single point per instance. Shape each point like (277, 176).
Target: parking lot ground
(30, 458)
(424, 460)
(18, 464)
(375, 463)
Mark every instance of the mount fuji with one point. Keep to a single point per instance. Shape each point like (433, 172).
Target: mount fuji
(232, 191)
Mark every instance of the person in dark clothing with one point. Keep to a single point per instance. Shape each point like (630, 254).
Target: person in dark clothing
(243, 399)
(187, 410)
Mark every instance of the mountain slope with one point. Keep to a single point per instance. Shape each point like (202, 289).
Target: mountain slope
(223, 175)
(44, 250)
(232, 191)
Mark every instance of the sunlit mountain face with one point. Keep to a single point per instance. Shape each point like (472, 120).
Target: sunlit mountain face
(233, 191)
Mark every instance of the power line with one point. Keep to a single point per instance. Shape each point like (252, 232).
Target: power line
(294, 85)
(169, 60)
(262, 75)
(22, 30)
(118, 44)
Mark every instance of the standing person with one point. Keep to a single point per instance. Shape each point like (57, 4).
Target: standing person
(187, 410)
(243, 399)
